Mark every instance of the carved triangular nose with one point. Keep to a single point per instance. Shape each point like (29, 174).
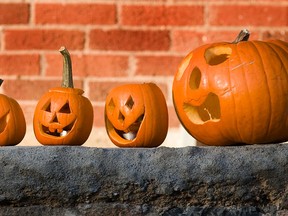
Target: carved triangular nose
(55, 119)
(121, 117)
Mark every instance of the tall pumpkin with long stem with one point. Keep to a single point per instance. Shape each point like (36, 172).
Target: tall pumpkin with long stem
(63, 116)
(234, 93)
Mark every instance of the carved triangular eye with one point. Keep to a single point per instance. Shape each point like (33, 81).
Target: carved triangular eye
(47, 106)
(111, 106)
(217, 55)
(65, 108)
(129, 103)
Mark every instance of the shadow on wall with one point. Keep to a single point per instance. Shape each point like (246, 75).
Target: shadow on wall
(176, 138)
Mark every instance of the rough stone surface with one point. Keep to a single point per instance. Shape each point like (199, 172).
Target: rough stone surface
(240, 180)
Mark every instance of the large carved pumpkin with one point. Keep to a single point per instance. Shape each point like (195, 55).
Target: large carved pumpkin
(63, 116)
(233, 93)
(136, 115)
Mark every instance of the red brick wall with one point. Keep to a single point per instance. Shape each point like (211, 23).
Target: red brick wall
(113, 42)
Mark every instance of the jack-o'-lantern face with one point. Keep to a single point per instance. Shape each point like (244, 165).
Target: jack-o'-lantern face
(131, 115)
(200, 100)
(12, 122)
(57, 118)
(200, 105)
(227, 94)
(127, 114)
(63, 117)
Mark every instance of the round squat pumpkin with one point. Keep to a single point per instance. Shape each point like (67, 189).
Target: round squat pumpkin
(63, 116)
(234, 93)
(12, 121)
(136, 115)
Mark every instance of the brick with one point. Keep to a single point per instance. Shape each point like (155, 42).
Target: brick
(280, 35)
(14, 13)
(75, 14)
(157, 65)
(245, 1)
(99, 116)
(131, 40)
(31, 89)
(99, 90)
(43, 39)
(173, 119)
(181, 15)
(19, 64)
(252, 15)
(186, 41)
(89, 65)
(28, 110)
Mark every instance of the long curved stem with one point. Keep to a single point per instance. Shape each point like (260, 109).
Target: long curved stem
(242, 36)
(67, 80)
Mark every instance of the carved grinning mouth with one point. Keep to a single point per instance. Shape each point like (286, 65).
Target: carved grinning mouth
(209, 110)
(131, 132)
(58, 132)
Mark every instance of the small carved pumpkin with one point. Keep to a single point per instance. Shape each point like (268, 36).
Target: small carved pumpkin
(136, 115)
(63, 116)
(233, 93)
(12, 121)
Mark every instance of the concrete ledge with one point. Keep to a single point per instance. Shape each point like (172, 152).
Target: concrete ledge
(241, 180)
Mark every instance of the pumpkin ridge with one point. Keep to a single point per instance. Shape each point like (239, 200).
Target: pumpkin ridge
(247, 88)
(147, 88)
(280, 44)
(16, 110)
(285, 52)
(234, 108)
(3, 122)
(267, 84)
(272, 46)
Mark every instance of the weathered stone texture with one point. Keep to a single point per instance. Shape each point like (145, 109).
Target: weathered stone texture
(240, 180)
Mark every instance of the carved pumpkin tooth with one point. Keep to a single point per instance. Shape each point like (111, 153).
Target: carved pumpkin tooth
(63, 133)
(130, 135)
(52, 130)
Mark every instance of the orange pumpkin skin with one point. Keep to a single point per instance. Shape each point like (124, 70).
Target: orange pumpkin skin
(12, 122)
(63, 117)
(226, 94)
(137, 109)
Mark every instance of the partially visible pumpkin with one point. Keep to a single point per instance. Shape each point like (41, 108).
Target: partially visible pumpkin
(136, 115)
(63, 116)
(234, 93)
(12, 121)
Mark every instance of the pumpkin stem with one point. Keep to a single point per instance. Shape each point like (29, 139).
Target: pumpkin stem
(67, 80)
(242, 36)
(1, 81)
